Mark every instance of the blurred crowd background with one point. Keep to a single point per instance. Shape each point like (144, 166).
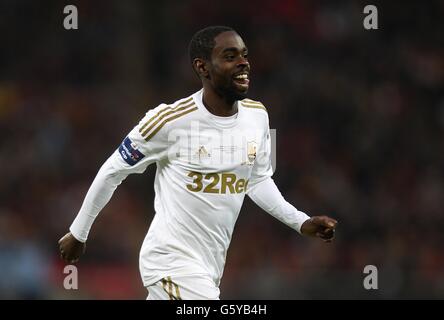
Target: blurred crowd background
(359, 116)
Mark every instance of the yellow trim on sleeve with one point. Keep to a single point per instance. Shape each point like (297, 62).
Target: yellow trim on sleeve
(162, 111)
(177, 115)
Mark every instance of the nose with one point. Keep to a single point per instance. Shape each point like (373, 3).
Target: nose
(243, 62)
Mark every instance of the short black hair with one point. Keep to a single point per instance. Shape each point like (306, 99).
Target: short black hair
(202, 43)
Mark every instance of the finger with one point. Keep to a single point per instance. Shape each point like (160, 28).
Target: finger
(319, 235)
(327, 222)
(324, 237)
(327, 234)
(63, 238)
(63, 256)
(330, 223)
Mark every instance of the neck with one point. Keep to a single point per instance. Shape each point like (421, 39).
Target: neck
(217, 104)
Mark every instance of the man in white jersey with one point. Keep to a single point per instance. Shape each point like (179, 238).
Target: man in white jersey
(211, 149)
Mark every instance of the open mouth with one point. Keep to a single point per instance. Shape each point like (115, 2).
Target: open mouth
(242, 80)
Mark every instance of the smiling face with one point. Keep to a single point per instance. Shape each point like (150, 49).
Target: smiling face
(228, 69)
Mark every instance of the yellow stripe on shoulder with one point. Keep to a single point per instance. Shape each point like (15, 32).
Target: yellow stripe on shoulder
(173, 110)
(248, 103)
(142, 128)
(251, 101)
(185, 110)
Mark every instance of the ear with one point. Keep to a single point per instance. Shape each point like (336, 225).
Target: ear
(201, 67)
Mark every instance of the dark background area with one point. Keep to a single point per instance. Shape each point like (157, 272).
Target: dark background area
(359, 116)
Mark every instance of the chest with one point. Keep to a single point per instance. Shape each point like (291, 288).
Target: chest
(207, 149)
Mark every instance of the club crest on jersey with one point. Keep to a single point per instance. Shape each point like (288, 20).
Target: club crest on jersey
(129, 152)
(251, 152)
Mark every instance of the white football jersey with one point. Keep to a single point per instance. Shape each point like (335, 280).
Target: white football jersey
(205, 166)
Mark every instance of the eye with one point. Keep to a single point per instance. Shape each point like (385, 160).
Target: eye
(229, 57)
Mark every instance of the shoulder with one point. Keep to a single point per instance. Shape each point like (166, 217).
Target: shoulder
(158, 119)
(255, 109)
(253, 105)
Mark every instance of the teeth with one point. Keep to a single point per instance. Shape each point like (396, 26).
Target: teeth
(242, 76)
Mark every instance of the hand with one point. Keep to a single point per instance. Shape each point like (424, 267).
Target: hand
(70, 248)
(321, 227)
